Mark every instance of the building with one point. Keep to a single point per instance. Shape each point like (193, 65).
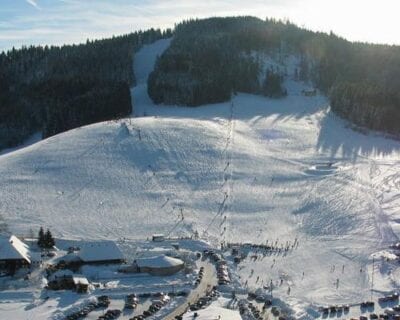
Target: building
(67, 280)
(100, 252)
(81, 283)
(158, 237)
(14, 254)
(61, 280)
(159, 265)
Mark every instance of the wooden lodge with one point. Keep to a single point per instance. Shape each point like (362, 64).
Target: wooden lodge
(14, 255)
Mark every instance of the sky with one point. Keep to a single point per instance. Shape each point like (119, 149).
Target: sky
(55, 22)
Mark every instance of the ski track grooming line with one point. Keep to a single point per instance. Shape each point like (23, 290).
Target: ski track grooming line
(109, 230)
(153, 179)
(227, 187)
(226, 180)
(228, 228)
(160, 141)
(382, 225)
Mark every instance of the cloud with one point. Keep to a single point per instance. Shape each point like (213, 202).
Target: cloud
(33, 3)
(73, 21)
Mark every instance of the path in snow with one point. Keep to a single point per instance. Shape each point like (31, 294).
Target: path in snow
(143, 65)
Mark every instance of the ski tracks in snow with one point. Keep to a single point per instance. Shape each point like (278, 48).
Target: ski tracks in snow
(385, 186)
(221, 220)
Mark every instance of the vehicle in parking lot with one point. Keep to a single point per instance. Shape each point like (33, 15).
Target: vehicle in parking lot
(275, 311)
(367, 304)
(390, 311)
(110, 315)
(147, 313)
(392, 297)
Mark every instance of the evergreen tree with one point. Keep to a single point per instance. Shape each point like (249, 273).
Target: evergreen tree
(304, 69)
(54, 89)
(41, 238)
(273, 85)
(211, 58)
(49, 240)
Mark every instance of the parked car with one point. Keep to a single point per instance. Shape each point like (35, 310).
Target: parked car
(390, 311)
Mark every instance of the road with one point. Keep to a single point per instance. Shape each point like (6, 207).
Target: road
(209, 280)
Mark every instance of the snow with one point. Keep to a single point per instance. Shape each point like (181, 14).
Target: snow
(80, 279)
(217, 310)
(11, 248)
(143, 65)
(100, 251)
(249, 170)
(145, 59)
(159, 262)
(34, 138)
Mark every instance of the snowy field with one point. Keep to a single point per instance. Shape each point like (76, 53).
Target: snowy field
(249, 170)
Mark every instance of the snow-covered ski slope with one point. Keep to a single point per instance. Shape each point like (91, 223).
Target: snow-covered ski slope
(253, 169)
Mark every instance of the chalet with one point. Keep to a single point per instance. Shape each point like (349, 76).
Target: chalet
(100, 252)
(14, 254)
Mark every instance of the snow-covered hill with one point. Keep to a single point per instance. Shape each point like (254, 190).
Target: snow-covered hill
(253, 169)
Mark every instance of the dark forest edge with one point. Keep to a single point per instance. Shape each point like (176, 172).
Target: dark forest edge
(210, 59)
(54, 89)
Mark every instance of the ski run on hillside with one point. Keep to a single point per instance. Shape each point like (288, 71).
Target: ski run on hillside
(284, 172)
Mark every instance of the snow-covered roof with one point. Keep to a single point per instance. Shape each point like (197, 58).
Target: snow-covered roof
(80, 279)
(159, 262)
(11, 248)
(65, 273)
(73, 256)
(100, 251)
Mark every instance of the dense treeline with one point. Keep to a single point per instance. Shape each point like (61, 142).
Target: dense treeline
(206, 62)
(53, 89)
(210, 59)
